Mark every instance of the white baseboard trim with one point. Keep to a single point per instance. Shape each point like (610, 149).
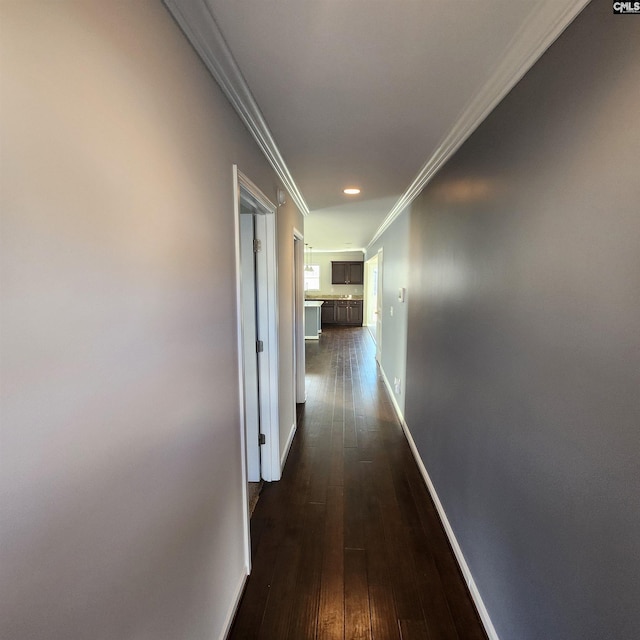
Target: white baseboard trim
(285, 453)
(466, 572)
(234, 607)
(392, 395)
(371, 328)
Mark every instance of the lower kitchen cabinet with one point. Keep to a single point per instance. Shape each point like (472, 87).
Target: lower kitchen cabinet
(328, 312)
(342, 312)
(349, 312)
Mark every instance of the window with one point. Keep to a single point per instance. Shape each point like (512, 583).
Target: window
(312, 277)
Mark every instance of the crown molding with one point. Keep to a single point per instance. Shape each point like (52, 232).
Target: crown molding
(354, 250)
(545, 23)
(195, 19)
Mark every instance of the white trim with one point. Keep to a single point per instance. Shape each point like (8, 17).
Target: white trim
(255, 191)
(380, 306)
(271, 393)
(198, 24)
(267, 298)
(392, 395)
(300, 392)
(267, 294)
(285, 453)
(371, 329)
(226, 628)
(246, 526)
(464, 567)
(350, 250)
(546, 22)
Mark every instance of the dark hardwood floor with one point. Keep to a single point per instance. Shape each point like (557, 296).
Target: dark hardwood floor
(348, 544)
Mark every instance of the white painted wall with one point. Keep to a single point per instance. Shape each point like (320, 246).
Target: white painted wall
(122, 507)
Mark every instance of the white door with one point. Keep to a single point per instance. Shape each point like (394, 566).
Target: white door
(249, 351)
(257, 317)
(258, 327)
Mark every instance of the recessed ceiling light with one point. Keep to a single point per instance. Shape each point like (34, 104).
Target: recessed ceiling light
(352, 191)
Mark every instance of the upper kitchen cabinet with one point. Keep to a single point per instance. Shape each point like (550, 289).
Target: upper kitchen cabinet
(347, 272)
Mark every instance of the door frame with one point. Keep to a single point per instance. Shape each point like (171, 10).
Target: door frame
(380, 304)
(370, 265)
(300, 393)
(267, 320)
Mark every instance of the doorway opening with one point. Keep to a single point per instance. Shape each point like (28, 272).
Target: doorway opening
(300, 393)
(373, 300)
(256, 283)
(371, 294)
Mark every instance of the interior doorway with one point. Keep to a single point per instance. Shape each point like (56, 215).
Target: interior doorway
(256, 283)
(250, 333)
(300, 393)
(371, 294)
(373, 300)
(379, 307)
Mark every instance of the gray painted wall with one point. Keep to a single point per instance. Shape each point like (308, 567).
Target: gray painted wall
(395, 274)
(122, 511)
(289, 218)
(524, 341)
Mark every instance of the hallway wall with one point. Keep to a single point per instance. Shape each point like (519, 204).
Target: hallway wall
(524, 341)
(395, 274)
(122, 512)
(289, 218)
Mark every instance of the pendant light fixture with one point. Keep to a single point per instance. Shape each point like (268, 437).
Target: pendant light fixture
(307, 267)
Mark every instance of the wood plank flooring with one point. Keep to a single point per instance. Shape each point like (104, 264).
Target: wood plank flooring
(348, 544)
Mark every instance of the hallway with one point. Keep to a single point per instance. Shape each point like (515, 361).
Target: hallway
(348, 544)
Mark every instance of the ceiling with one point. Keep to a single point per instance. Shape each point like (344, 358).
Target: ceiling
(369, 93)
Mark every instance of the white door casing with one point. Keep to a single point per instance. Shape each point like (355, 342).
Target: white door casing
(249, 196)
(379, 309)
(246, 194)
(371, 295)
(300, 393)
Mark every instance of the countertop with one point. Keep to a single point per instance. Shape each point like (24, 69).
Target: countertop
(332, 296)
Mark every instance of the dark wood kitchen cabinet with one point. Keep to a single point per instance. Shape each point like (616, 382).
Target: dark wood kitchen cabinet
(348, 312)
(328, 312)
(347, 272)
(341, 312)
